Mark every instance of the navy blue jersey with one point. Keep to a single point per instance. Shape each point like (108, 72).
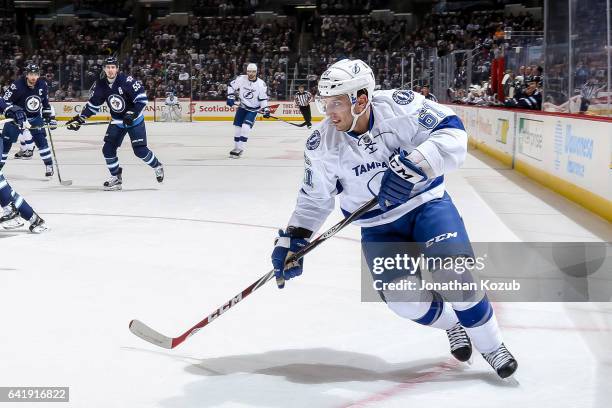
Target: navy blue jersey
(123, 95)
(33, 100)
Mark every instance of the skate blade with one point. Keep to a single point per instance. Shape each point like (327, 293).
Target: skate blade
(114, 188)
(39, 230)
(511, 381)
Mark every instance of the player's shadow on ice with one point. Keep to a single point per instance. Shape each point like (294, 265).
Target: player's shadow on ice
(309, 377)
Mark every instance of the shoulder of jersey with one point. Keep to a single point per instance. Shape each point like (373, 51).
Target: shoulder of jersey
(41, 83)
(121, 77)
(399, 97)
(323, 139)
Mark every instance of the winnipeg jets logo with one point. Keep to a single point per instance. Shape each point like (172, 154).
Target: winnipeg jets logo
(33, 103)
(116, 103)
(248, 94)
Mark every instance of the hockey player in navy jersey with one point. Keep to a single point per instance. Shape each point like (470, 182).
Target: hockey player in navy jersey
(398, 146)
(26, 101)
(15, 208)
(126, 99)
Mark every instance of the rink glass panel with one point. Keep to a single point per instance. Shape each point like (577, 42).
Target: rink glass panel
(578, 49)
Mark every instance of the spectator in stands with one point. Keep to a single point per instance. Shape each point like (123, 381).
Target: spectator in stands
(531, 98)
(427, 94)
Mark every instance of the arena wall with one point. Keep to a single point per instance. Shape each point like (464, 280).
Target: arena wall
(569, 154)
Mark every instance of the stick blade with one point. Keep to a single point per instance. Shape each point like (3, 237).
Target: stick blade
(66, 182)
(146, 333)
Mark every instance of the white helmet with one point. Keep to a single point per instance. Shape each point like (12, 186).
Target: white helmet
(251, 67)
(347, 77)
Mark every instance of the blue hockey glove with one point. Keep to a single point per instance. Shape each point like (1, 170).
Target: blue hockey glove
(231, 99)
(75, 123)
(266, 113)
(17, 114)
(285, 245)
(128, 118)
(398, 181)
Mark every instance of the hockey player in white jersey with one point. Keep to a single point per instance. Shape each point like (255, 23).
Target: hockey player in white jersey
(397, 146)
(173, 108)
(253, 94)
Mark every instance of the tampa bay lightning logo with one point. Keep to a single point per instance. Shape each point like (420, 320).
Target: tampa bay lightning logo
(313, 141)
(403, 97)
(356, 68)
(248, 94)
(116, 103)
(33, 103)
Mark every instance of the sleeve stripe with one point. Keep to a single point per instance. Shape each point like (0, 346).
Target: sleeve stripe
(452, 122)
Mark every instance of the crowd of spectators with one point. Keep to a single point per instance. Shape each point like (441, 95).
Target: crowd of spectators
(393, 51)
(70, 56)
(361, 37)
(200, 59)
(11, 51)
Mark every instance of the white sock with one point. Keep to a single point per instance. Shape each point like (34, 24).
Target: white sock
(447, 319)
(487, 337)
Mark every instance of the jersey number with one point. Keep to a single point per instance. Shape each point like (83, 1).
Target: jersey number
(427, 120)
(136, 85)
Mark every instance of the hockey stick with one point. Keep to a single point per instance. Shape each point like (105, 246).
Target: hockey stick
(59, 176)
(148, 334)
(66, 124)
(282, 120)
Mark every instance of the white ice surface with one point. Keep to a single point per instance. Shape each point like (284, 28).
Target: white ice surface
(170, 254)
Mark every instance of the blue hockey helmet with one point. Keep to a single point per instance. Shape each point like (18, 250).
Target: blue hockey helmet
(32, 68)
(111, 61)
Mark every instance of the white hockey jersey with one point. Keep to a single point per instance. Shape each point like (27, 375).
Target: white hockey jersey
(172, 101)
(253, 94)
(351, 166)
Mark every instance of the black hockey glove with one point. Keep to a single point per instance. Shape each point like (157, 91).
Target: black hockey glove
(75, 123)
(128, 118)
